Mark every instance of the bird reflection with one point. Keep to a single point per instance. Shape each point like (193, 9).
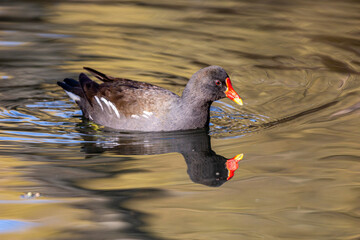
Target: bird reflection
(204, 165)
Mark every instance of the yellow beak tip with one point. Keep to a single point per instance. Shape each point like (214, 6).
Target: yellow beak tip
(239, 157)
(238, 101)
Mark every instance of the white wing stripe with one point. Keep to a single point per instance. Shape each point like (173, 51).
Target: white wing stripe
(114, 108)
(98, 101)
(106, 102)
(148, 113)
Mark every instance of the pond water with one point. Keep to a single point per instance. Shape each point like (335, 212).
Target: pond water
(296, 65)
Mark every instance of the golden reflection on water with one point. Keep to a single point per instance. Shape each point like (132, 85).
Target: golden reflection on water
(128, 30)
(44, 217)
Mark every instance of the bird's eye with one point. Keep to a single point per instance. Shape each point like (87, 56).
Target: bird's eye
(217, 82)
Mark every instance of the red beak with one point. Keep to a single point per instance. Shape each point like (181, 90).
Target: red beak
(230, 93)
(233, 164)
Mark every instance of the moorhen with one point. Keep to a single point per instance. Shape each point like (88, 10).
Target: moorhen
(125, 104)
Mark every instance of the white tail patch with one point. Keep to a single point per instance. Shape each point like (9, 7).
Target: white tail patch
(98, 101)
(73, 96)
(135, 116)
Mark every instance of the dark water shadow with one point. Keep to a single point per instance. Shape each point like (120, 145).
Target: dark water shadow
(204, 165)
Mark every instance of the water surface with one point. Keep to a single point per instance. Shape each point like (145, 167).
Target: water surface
(295, 63)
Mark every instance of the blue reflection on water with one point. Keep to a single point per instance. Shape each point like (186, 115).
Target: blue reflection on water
(7, 225)
(11, 43)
